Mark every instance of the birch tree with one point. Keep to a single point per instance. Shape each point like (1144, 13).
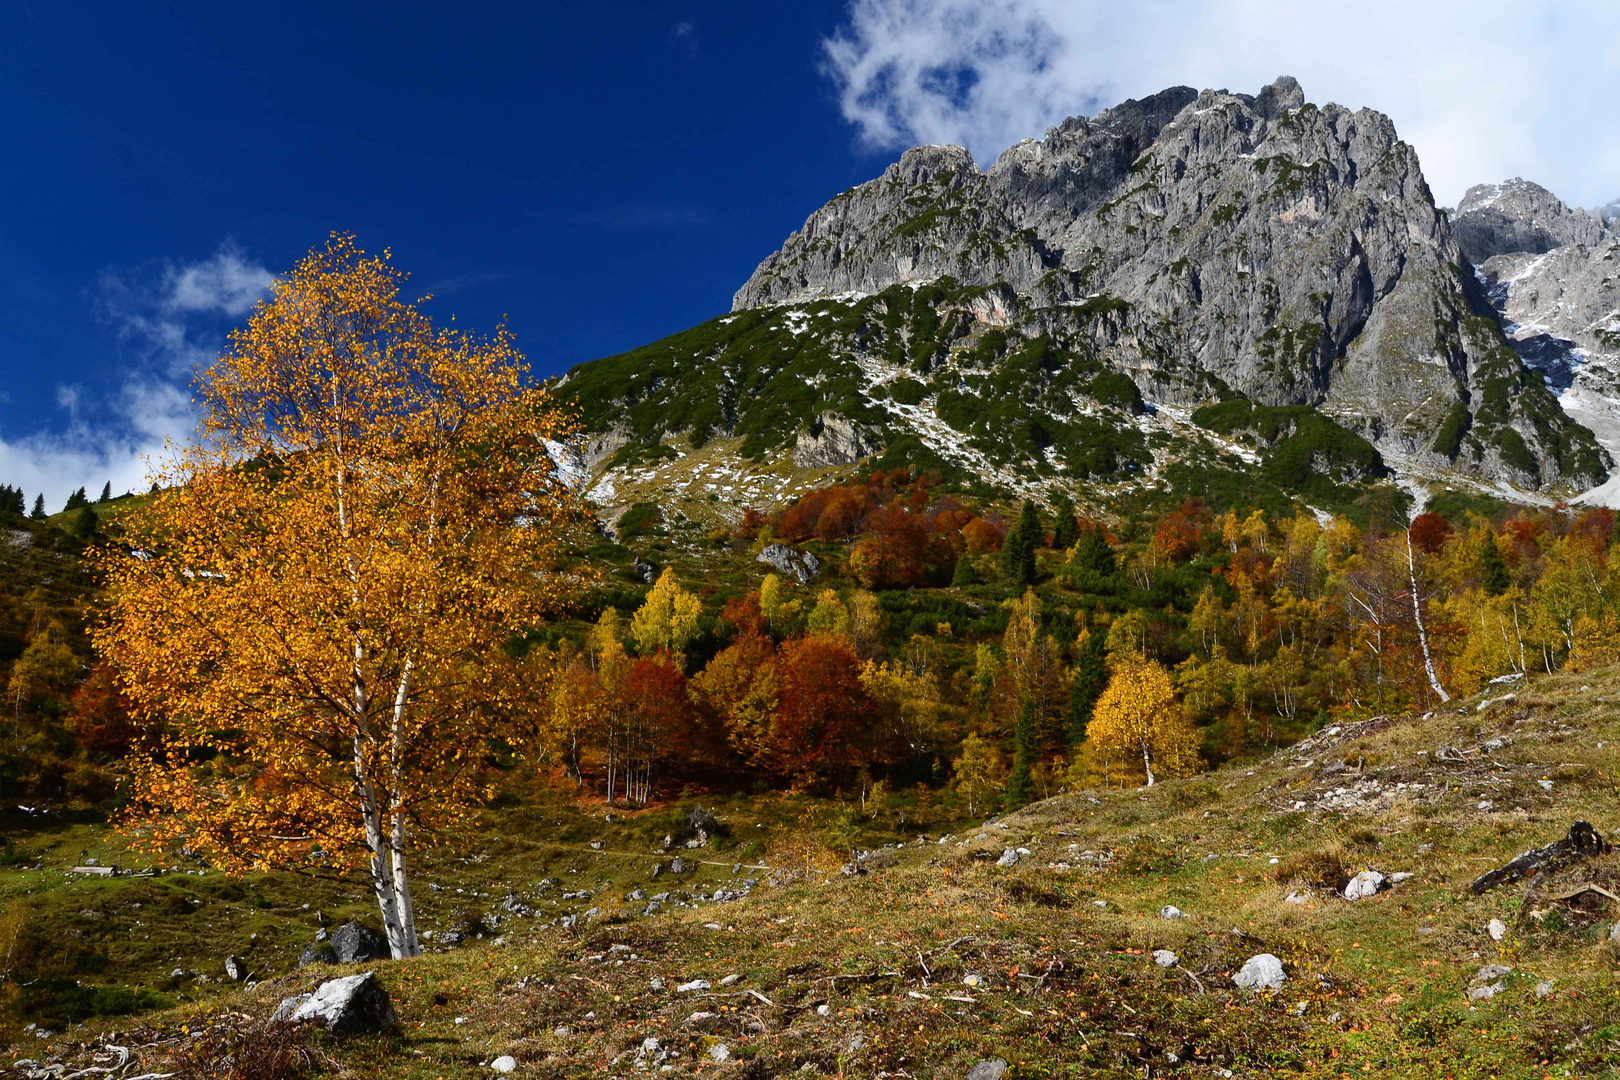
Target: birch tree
(313, 609)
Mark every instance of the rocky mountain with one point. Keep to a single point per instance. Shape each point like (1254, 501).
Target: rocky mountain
(1610, 213)
(1190, 281)
(1553, 277)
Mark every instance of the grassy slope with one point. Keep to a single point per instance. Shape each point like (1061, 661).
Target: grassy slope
(1069, 987)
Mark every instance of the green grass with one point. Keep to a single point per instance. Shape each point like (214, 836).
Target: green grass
(1067, 987)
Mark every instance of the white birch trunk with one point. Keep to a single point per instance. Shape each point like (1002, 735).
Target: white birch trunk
(1417, 617)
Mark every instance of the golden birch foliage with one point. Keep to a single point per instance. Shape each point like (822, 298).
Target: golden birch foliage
(978, 773)
(668, 619)
(1137, 715)
(908, 702)
(742, 688)
(319, 597)
(829, 616)
(46, 664)
(1491, 636)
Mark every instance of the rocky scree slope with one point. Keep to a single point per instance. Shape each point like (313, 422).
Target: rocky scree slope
(1553, 277)
(1186, 249)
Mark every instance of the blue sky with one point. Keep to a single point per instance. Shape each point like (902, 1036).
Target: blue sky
(604, 174)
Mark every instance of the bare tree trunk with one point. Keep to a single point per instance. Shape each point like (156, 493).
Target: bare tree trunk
(1417, 617)
(1147, 764)
(382, 875)
(403, 943)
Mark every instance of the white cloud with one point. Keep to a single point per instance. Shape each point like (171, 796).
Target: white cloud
(169, 321)
(1484, 90)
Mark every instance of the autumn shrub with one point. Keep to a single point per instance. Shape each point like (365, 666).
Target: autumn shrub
(237, 1047)
(1144, 857)
(1322, 870)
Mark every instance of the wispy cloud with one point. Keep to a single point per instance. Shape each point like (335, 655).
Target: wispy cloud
(448, 286)
(683, 35)
(1484, 89)
(636, 218)
(169, 319)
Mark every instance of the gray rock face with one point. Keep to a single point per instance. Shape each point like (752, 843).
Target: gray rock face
(1549, 273)
(1609, 213)
(1517, 216)
(833, 440)
(236, 968)
(1290, 252)
(346, 1006)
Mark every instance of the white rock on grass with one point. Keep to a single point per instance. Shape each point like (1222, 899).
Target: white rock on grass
(988, 1069)
(1165, 958)
(1170, 911)
(694, 985)
(719, 1052)
(1008, 858)
(1365, 884)
(731, 980)
(1497, 929)
(1294, 897)
(1544, 988)
(1262, 972)
(354, 1003)
(504, 1064)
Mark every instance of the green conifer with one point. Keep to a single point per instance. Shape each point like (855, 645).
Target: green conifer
(1021, 781)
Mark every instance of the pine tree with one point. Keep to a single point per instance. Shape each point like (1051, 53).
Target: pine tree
(39, 508)
(106, 493)
(1021, 781)
(964, 572)
(76, 500)
(11, 500)
(1018, 553)
(1065, 527)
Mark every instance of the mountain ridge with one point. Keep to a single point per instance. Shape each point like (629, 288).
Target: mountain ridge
(1200, 246)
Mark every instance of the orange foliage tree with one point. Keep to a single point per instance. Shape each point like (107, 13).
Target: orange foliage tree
(314, 609)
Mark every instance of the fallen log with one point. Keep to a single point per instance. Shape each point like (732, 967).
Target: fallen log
(1582, 841)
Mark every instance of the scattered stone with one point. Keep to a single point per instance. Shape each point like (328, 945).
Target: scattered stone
(731, 980)
(676, 866)
(988, 1069)
(319, 952)
(1485, 993)
(823, 1010)
(1294, 897)
(1506, 699)
(562, 1031)
(236, 968)
(702, 1020)
(1546, 785)
(504, 1064)
(719, 1052)
(1165, 958)
(321, 934)
(973, 980)
(1170, 911)
(694, 985)
(1399, 876)
(355, 943)
(352, 1004)
(1490, 973)
(1544, 988)
(1009, 857)
(1497, 929)
(1365, 884)
(1262, 972)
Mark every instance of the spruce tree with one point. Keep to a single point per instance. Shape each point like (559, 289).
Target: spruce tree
(964, 572)
(39, 508)
(11, 500)
(85, 523)
(1086, 682)
(1094, 554)
(76, 500)
(1021, 781)
(106, 493)
(1494, 573)
(1065, 526)
(1018, 553)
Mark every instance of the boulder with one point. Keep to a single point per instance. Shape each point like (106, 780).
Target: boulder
(1365, 884)
(350, 1005)
(988, 1069)
(1008, 858)
(236, 968)
(317, 952)
(504, 1064)
(355, 943)
(784, 560)
(1165, 958)
(832, 439)
(1170, 911)
(1262, 972)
